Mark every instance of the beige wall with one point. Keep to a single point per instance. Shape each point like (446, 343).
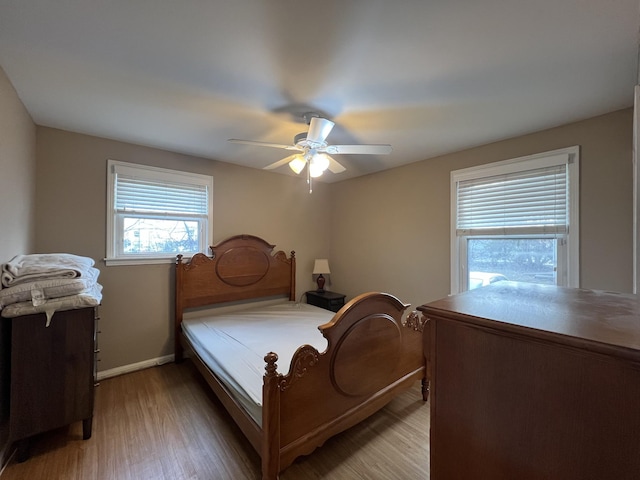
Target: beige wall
(390, 231)
(17, 214)
(17, 173)
(137, 309)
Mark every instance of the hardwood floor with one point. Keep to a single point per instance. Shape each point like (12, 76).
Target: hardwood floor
(164, 423)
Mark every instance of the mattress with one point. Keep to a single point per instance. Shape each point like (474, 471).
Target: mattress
(234, 344)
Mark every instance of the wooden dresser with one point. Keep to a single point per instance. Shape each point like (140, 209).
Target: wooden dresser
(52, 373)
(534, 382)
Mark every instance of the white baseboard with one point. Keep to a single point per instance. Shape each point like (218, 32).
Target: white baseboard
(153, 362)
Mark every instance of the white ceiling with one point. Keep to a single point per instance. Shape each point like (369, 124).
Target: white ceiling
(429, 77)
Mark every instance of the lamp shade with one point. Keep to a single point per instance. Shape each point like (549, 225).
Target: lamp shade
(297, 164)
(321, 267)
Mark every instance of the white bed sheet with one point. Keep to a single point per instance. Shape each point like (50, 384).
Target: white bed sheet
(234, 344)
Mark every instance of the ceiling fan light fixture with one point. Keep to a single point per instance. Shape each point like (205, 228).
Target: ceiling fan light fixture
(314, 171)
(314, 149)
(297, 164)
(321, 161)
(318, 164)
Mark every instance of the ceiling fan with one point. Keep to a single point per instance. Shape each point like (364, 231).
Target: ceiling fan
(314, 151)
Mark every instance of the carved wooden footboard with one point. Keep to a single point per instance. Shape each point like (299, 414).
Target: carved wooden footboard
(370, 358)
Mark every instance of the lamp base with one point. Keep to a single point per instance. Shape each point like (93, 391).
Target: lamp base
(320, 282)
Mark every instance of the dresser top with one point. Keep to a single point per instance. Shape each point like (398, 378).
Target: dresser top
(603, 321)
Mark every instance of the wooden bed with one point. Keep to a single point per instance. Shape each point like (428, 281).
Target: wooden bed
(371, 356)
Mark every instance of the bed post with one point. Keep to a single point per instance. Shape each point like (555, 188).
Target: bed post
(270, 419)
(292, 290)
(419, 323)
(426, 341)
(178, 313)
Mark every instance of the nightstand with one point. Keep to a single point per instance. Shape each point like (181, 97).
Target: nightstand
(328, 300)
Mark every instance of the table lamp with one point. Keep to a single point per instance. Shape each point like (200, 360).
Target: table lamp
(320, 268)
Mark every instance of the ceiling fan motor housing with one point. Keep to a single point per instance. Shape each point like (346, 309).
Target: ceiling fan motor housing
(300, 138)
(301, 141)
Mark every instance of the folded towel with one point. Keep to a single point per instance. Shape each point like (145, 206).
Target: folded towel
(90, 297)
(41, 290)
(29, 268)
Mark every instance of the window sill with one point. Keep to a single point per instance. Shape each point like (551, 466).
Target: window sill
(113, 262)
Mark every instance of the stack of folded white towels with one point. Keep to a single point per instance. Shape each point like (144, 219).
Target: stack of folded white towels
(48, 282)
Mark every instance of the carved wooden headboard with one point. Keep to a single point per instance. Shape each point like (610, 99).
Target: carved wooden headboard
(241, 267)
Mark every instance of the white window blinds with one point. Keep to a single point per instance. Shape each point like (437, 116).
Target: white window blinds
(157, 195)
(524, 202)
(142, 196)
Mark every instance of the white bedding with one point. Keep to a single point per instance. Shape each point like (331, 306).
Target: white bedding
(27, 268)
(90, 297)
(234, 344)
(47, 288)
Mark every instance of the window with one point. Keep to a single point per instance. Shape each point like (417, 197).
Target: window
(516, 220)
(153, 214)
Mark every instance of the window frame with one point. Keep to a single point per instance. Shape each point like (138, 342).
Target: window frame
(568, 243)
(114, 233)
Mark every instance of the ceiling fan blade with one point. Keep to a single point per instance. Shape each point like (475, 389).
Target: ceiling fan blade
(319, 129)
(263, 144)
(358, 149)
(279, 163)
(334, 166)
